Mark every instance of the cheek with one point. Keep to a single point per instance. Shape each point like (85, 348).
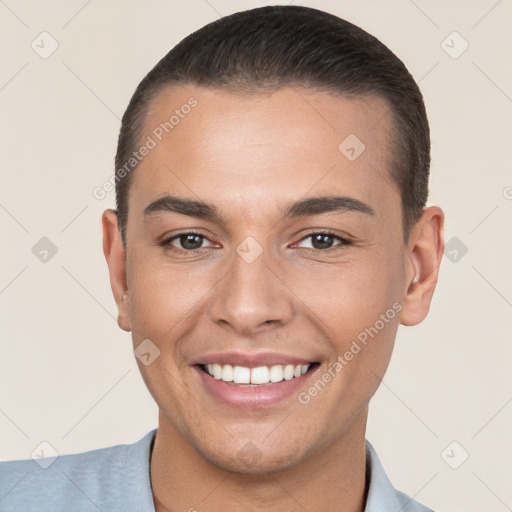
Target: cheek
(352, 296)
(357, 307)
(163, 297)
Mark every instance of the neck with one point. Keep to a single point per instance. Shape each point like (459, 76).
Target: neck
(333, 479)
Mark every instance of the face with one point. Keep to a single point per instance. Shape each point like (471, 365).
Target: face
(264, 246)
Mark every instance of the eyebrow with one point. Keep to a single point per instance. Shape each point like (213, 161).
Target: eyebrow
(326, 204)
(189, 207)
(302, 208)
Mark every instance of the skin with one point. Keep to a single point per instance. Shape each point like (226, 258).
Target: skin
(251, 156)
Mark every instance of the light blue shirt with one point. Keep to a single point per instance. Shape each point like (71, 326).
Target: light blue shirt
(117, 479)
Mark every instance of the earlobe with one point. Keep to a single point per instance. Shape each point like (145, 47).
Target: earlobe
(116, 260)
(423, 258)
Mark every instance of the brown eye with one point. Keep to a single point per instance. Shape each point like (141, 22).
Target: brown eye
(324, 241)
(191, 241)
(185, 242)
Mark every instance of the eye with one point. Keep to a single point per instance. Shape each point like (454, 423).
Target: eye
(323, 241)
(186, 242)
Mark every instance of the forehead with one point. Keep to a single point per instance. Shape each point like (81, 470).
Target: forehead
(222, 146)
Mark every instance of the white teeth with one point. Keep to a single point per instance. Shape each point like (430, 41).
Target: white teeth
(288, 372)
(217, 371)
(227, 373)
(259, 375)
(276, 373)
(241, 375)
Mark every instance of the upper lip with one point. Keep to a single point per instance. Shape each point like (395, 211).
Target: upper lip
(251, 360)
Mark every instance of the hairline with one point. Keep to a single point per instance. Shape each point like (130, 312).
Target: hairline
(394, 137)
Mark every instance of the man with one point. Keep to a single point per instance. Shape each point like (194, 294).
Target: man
(270, 236)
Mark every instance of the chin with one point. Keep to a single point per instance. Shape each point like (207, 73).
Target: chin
(250, 460)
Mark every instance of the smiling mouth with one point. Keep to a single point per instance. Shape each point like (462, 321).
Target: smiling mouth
(258, 376)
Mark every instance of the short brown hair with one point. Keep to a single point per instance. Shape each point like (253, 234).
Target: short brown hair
(271, 47)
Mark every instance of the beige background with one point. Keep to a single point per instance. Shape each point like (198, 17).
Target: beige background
(67, 373)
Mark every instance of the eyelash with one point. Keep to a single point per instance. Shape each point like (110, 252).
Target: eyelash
(342, 241)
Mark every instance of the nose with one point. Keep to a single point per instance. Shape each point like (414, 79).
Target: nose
(251, 297)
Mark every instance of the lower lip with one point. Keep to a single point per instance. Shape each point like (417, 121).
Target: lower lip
(253, 397)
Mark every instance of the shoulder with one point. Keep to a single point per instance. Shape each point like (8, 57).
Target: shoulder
(83, 479)
(408, 504)
(382, 496)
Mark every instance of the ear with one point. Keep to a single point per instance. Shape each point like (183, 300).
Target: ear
(423, 257)
(116, 261)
